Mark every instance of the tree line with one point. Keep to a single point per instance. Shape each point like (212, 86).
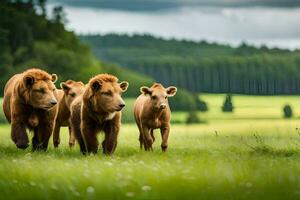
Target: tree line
(30, 38)
(202, 66)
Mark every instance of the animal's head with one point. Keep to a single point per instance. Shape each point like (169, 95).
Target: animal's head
(104, 93)
(71, 89)
(159, 95)
(38, 89)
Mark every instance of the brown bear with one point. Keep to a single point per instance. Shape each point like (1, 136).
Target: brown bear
(70, 90)
(98, 108)
(152, 111)
(29, 102)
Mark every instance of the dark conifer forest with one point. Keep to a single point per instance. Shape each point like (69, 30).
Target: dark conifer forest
(202, 66)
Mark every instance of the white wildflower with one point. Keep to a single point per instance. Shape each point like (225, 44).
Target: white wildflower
(90, 189)
(108, 163)
(130, 194)
(248, 185)
(146, 188)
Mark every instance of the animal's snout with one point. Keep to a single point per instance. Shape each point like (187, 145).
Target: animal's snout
(53, 101)
(122, 105)
(162, 106)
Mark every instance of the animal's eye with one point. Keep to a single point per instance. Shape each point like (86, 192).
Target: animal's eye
(153, 97)
(108, 93)
(42, 90)
(53, 89)
(166, 97)
(73, 95)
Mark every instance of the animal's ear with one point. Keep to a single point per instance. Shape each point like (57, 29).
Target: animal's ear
(171, 91)
(53, 78)
(124, 85)
(65, 87)
(96, 85)
(145, 90)
(28, 80)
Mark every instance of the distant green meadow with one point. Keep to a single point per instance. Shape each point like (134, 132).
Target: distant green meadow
(230, 156)
(246, 108)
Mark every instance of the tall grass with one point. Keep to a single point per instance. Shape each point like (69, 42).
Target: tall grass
(224, 159)
(252, 153)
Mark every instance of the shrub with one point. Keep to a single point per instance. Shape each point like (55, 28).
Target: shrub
(227, 105)
(287, 111)
(192, 118)
(182, 101)
(200, 104)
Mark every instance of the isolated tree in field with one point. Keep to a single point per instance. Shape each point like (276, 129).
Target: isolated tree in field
(192, 118)
(287, 111)
(183, 101)
(200, 104)
(227, 105)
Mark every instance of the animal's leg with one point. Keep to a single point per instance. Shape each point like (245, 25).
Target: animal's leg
(43, 133)
(148, 141)
(152, 134)
(19, 135)
(75, 128)
(111, 130)
(56, 138)
(90, 137)
(35, 139)
(164, 136)
(141, 138)
(71, 138)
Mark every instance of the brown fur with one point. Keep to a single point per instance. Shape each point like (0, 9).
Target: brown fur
(98, 109)
(70, 90)
(29, 102)
(152, 111)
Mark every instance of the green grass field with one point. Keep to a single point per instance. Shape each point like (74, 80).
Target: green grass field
(255, 157)
(246, 108)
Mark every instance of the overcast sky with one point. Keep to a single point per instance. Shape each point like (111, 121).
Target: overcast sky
(273, 26)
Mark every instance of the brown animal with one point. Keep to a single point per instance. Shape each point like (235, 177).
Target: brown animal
(70, 90)
(98, 109)
(29, 102)
(152, 111)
